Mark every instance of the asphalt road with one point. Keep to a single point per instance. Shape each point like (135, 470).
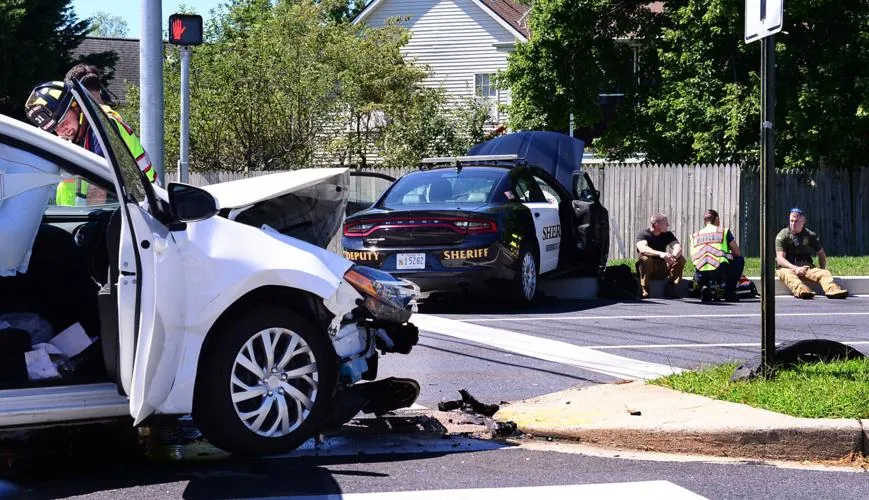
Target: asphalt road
(498, 354)
(680, 333)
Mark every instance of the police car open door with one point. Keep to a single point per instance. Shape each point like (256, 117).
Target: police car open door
(150, 277)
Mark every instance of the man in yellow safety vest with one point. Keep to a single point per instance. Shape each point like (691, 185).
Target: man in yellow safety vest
(52, 108)
(716, 257)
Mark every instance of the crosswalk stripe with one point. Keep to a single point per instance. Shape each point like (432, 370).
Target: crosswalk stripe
(663, 490)
(546, 349)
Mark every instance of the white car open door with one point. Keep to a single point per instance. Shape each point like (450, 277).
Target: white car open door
(150, 277)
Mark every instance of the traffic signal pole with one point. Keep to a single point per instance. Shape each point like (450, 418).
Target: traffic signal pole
(151, 85)
(184, 160)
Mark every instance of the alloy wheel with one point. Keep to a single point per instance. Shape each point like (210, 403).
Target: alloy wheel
(274, 382)
(529, 276)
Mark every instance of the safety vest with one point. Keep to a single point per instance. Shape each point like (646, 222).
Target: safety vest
(132, 143)
(73, 192)
(709, 248)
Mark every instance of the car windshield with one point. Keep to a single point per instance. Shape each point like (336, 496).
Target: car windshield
(444, 186)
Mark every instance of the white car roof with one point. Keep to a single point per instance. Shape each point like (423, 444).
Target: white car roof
(53, 144)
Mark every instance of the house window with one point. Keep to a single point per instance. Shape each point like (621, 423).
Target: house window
(484, 85)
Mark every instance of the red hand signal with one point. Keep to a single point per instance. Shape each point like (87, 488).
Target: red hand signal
(178, 29)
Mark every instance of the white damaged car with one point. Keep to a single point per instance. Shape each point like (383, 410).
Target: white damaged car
(219, 302)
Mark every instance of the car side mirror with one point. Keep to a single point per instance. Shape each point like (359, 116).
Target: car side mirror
(190, 203)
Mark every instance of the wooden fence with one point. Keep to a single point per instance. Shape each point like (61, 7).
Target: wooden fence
(836, 202)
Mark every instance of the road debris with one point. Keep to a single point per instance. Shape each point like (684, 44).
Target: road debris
(469, 402)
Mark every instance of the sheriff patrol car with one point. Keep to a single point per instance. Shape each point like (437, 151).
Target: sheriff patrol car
(488, 221)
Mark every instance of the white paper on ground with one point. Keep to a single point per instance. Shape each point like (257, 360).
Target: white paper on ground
(72, 341)
(39, 365)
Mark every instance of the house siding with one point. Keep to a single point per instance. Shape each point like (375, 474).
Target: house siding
(455, 39)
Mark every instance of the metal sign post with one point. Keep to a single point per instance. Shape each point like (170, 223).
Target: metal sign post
(184, 160)
(763, 19)
(185, 30)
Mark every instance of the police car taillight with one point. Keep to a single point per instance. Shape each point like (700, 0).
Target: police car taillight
(357, 230)
(477, 226)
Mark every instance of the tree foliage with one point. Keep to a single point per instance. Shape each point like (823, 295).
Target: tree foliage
(698, 93)
(577, 52)
(282, 85)
(36, 41)
(107, 25)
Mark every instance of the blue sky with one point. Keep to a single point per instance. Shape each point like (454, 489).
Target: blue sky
(130, 11)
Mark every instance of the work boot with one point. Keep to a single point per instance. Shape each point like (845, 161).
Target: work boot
(705, 294)
(731, 297)
(837, 294)
(804, 293)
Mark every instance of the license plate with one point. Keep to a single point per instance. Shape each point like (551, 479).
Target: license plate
(410, 261)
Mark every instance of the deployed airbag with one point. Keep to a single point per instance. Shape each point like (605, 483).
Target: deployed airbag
(27, 183)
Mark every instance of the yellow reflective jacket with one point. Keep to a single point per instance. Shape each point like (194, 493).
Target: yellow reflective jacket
(73, 192)
(709, 248)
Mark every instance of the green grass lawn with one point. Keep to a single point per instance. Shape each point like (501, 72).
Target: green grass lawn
(817, 390)
(839, 266)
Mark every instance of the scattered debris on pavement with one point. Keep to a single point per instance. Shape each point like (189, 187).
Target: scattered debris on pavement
(469, 402)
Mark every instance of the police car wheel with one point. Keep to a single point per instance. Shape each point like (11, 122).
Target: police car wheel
(266, 382)
(525, 280)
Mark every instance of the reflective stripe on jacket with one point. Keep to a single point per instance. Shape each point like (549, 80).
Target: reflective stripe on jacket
(709, 248)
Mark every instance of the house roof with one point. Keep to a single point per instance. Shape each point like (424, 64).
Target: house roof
(512, 12)
(507, 13)
(127, 65)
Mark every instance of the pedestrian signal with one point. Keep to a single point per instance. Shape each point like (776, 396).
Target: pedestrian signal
(185, 29)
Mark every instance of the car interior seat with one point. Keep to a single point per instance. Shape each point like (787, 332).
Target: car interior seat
(440, 190)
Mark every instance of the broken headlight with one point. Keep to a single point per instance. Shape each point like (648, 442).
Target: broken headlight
(386, 297)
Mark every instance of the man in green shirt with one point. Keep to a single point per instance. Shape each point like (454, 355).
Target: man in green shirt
(794, 246)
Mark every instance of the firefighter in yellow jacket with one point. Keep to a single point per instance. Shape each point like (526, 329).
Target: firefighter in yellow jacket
(716, 256)
(52, 108)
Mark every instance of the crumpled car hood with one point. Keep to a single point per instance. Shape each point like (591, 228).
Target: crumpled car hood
(307, 204)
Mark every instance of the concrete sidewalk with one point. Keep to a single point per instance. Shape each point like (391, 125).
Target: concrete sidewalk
(645, 417)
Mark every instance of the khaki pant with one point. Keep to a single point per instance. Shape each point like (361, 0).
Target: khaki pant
(654, 268)
(799, 286)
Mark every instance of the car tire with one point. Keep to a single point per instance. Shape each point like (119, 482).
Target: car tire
(526, 275)
(240, 412)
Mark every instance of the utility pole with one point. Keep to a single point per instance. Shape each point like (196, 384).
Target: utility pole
(151, 85)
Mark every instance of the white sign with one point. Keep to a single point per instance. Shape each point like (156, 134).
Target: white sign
(763, 18)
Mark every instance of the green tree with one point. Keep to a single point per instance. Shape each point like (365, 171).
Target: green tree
(107, 25)
(283, 85)
(36, 41)
(580, 49)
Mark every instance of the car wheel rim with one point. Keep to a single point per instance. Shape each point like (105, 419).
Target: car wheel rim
(274, 382)
(529, 276)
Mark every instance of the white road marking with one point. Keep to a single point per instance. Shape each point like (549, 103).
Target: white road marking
(605, 491)
(656, 316)
(678, 346)
(546, 349)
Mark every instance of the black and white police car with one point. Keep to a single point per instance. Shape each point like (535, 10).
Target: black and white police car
(517, 208)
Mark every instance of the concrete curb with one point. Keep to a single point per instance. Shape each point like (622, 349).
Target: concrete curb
(671, 421)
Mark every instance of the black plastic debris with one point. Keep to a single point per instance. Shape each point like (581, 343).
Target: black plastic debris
(502, 429)
(801, 351)
(468, 403)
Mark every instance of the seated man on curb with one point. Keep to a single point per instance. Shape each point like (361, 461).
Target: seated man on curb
(716, 256)
(793, 255)
(655, 261)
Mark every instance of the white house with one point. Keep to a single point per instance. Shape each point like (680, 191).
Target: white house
(462, 42)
